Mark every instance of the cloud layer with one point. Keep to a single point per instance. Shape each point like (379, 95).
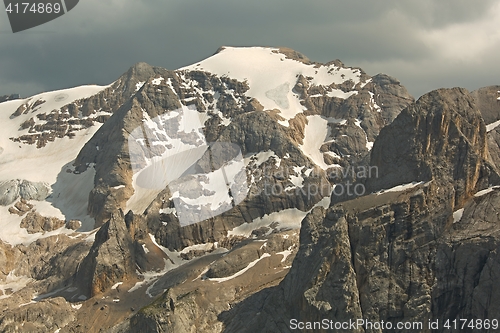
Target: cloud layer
(426, 44)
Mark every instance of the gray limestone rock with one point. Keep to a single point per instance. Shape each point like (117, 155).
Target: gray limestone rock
(442, 136)
(12, 190)
(45, 316)
(34, 222)
(487, 102)
(111, 258)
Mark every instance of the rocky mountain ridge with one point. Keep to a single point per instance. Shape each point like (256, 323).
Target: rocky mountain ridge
(268, 152)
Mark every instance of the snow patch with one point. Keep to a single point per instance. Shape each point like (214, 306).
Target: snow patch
(250, 265)
(116, 285)
(315, 135)
(341, 94)
(400, 188)
(279, 95)
(457, 215)
(486, 191)
(199, 247)
(157, 81)
(13, 284)
(287, 218)
(270, 75)
(168, 211)
(492, 126)
(139, 85)
(365, 83)
(285, 253)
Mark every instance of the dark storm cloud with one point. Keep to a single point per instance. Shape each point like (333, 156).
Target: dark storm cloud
(419, 42)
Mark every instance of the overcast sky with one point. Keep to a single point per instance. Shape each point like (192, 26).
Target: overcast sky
(426, 44)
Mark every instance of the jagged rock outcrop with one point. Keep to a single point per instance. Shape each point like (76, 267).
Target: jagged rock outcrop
(80, 114)
(487, 100)
(111, 258)
(21, 207)
(45, 316)
(442, 136)
(409, 255)
(34, 222)
(427, 250)
(391, 96)
(193, 300)
(467, 263)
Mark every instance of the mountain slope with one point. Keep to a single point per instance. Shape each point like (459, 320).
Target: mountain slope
(114, 194)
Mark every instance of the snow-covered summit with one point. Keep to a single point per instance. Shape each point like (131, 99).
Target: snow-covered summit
(272, 75)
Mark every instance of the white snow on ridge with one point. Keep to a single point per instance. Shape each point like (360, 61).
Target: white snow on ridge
(199, 247)
(340, 94)
(400, 188)
(48, 164)
(366, 82)
(285, 253)
(486, 191)
(492, 126)
(22, 161)
(297, 179)
(373, 104)
(289, 218)
(11, 232)
(271, 75)
(250, 265)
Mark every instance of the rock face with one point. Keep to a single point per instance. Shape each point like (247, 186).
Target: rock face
(400, 256)
(194, 300)
(442, 136)
(34, 222)
(278, 241)
(111, 258)
(351, 113)
(487, 100)
(80, 114)
(45, 316)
